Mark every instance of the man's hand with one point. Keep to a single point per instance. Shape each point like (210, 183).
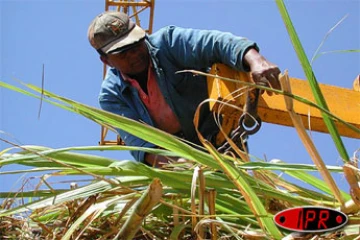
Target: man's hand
(263, 72)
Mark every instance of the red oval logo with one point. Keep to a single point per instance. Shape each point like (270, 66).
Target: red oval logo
(310, 219)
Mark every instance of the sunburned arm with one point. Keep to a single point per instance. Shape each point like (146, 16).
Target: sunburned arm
(156, 160)
(159, 161)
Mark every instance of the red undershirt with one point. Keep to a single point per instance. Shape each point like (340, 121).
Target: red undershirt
(159, 110)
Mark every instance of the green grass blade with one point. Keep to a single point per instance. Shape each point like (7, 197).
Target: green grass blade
(70, 195)
(138, 129)
(236, 176)
(326, 36)
(284, 166)
(312, 80)
(336, 51)
(315, 182)
(42, 155)
(148, 133)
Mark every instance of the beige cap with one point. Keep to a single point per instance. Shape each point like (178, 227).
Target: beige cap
(112, 31)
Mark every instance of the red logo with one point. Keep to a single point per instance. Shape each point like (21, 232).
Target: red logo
(310, 219)
(117, 27)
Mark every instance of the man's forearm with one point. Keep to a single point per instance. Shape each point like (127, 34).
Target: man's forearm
(252, 58)
(156, 160)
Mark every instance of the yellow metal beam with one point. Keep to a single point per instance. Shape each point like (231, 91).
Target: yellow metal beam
(343, 103)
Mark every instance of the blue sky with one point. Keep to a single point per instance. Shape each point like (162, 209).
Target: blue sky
(53, 33)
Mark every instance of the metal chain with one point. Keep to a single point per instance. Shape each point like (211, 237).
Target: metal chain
(249, 123)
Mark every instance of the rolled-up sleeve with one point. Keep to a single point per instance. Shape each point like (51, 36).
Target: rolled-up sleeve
(193, 47)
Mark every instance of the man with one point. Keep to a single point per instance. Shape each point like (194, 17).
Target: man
(142, 83)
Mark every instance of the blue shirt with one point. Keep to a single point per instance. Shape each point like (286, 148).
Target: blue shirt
(173, 49)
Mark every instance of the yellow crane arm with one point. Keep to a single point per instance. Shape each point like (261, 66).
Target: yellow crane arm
(343, 103)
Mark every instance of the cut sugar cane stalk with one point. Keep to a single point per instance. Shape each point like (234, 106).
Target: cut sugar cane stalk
(143, 207)
(308, 143)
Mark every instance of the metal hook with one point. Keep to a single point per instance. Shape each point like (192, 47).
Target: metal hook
(250, 127)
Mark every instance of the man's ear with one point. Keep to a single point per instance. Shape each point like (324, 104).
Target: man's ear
(105, 60)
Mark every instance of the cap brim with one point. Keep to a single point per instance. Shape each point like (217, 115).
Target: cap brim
(135, 35)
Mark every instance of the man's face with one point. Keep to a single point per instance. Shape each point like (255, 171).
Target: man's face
(130, 62)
